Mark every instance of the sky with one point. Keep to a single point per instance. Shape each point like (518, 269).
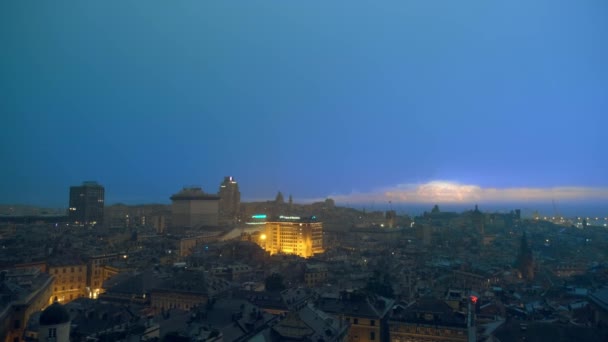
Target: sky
(401, 101)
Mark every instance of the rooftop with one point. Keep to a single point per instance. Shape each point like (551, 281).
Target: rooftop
(54, 314)
(195, 193)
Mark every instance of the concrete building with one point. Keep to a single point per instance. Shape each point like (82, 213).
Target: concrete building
(309, 324)
(192, 209)
(23, 292)
(293, 235)
(315, 275)
(188, 243)
(70, 278)
(54, 324)
(366, 315)
(599, 307)
(86, 203)
(427, 319)
(99, 270)
(185, 290)
(230, 200)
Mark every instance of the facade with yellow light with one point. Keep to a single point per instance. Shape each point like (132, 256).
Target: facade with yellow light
(293, 235)
(70, 280)
(99, 270)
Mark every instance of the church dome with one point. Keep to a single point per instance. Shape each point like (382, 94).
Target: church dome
(54, 314)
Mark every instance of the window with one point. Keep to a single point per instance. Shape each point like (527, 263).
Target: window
(356, 321)
(372, 322)
(372, 335)
(17, 324)
(52, 332)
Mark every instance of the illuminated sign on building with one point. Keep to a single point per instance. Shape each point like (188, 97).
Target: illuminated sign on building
(258, 216)
(289, 217)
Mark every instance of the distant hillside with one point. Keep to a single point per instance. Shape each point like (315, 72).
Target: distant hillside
(28, 210)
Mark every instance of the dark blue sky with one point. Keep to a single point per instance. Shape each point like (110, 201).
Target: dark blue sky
(347, 98)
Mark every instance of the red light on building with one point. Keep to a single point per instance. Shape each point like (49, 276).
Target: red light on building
(474, 299)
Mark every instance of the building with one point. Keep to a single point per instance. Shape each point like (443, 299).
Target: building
(366, 315)
(230, 200)
(70, 278)
(309, 324)
(293, 235)
(315, 275)
(86, 204)
(159, 222)
(427, 319)
(185, 290)
(191, 208)
(599, 307)
(54, 324)
(99, 269)
(188, 243)
(24, 292)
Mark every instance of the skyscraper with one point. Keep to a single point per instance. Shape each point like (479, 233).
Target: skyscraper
(86, 203)
(230, 200)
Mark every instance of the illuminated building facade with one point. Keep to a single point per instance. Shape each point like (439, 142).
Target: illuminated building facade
(192, 208)
(230, 200)
(86, 203)
(99, 269)
(70, 279)
(293, 235)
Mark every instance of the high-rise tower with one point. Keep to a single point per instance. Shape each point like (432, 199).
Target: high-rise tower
(230, 200)
(86, 203)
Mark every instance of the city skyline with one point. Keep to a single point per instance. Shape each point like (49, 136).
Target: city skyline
(358, 103)
(414, 199)
(306, 171)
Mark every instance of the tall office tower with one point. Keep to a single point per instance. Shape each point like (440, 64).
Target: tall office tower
(192, 209)
(86, 203)
(230, 200)
(293, 235)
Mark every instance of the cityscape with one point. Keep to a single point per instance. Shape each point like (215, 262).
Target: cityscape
(269, 171)
(209, 267)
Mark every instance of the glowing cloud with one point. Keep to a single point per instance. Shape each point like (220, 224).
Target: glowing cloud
(453, 192)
